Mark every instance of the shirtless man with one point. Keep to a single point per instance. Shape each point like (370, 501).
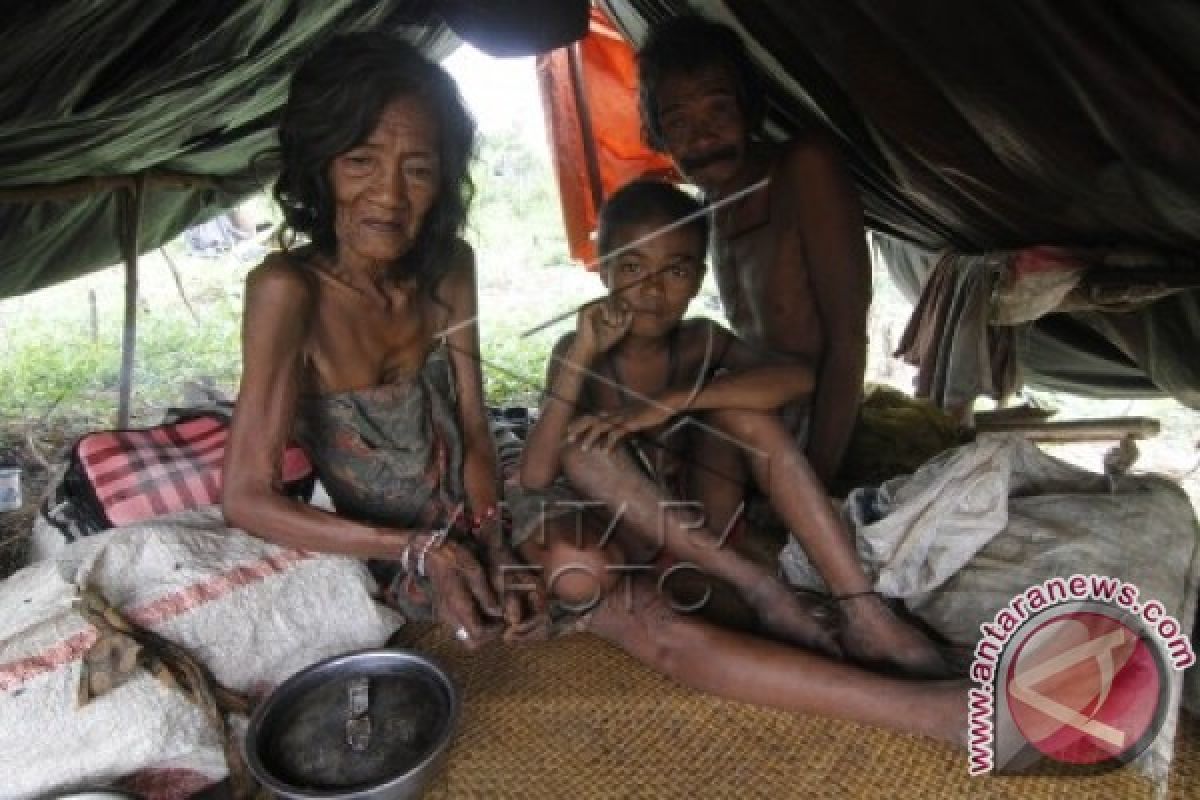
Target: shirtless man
(790, 260)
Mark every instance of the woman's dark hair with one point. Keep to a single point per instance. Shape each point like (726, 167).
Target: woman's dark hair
(686, 45)
(334, 102)
(648, 201)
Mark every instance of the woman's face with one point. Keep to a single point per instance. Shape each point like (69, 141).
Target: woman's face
(383, 188)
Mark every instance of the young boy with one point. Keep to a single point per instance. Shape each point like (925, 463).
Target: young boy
(609, 432)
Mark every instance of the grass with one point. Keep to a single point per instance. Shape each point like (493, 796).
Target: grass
(53, 365)
(55, 362)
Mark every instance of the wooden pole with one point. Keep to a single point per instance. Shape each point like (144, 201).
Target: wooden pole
(85, 186)
(1075, 430)
(130, 216)
(94, 316)
(590, 158)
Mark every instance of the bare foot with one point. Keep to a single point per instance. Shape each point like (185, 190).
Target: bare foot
(785, 617)
(873, 634)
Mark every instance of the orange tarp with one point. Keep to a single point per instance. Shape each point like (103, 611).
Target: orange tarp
(609, 118)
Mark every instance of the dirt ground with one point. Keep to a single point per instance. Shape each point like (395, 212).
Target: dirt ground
(17, 445)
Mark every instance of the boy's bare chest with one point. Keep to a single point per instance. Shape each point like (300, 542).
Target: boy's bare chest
(632, 385)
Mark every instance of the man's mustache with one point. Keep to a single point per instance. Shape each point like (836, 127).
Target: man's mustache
(708, 159)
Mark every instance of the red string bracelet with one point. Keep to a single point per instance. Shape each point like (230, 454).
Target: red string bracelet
(483, 517)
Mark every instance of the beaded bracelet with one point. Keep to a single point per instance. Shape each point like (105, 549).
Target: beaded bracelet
(436, 539)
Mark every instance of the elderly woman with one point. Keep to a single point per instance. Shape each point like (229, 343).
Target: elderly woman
(362, 344)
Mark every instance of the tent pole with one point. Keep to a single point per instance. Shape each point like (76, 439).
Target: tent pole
(155, 179)
(129, 214)
(590, 158)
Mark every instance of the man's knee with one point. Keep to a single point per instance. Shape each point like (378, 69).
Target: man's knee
(672, 634)
(732, 420)
(752, 432)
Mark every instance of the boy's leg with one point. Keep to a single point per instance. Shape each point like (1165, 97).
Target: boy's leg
(658, 519)
(717, 476)
(872, 631)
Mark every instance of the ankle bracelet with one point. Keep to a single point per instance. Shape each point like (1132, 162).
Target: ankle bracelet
(841, 598)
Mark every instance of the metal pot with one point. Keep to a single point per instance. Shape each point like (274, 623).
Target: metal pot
(369, 725)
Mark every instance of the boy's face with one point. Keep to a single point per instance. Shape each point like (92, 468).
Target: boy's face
(656, 278)
(702, 125)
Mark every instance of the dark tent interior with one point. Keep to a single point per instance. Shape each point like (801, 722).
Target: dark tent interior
(969, 128)
(1023, 132)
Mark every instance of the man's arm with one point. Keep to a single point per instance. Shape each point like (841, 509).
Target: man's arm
(835, 249)
(747, 379)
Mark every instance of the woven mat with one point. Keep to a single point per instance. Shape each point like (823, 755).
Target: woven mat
(577, 718)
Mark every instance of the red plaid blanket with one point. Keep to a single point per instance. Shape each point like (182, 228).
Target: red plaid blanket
(137, 474)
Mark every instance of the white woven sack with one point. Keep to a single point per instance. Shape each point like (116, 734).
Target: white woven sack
(46, 741)
(254, 613)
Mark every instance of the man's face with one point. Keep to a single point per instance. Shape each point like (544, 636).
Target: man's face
(702, 124)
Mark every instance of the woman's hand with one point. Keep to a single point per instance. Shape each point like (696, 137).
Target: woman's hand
(462, 598)
(606, 429)
(522, 594)
(600, 325)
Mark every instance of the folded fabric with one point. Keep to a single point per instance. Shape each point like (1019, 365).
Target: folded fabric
(975, 527)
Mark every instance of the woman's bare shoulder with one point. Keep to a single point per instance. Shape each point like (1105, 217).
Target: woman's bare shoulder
(282, 277)
(461, 269)
(458, 279)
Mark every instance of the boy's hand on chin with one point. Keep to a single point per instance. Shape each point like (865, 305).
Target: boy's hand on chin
(600, 325)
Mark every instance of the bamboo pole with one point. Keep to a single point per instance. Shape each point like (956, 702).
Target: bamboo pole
(130, 215)
(131, 199)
